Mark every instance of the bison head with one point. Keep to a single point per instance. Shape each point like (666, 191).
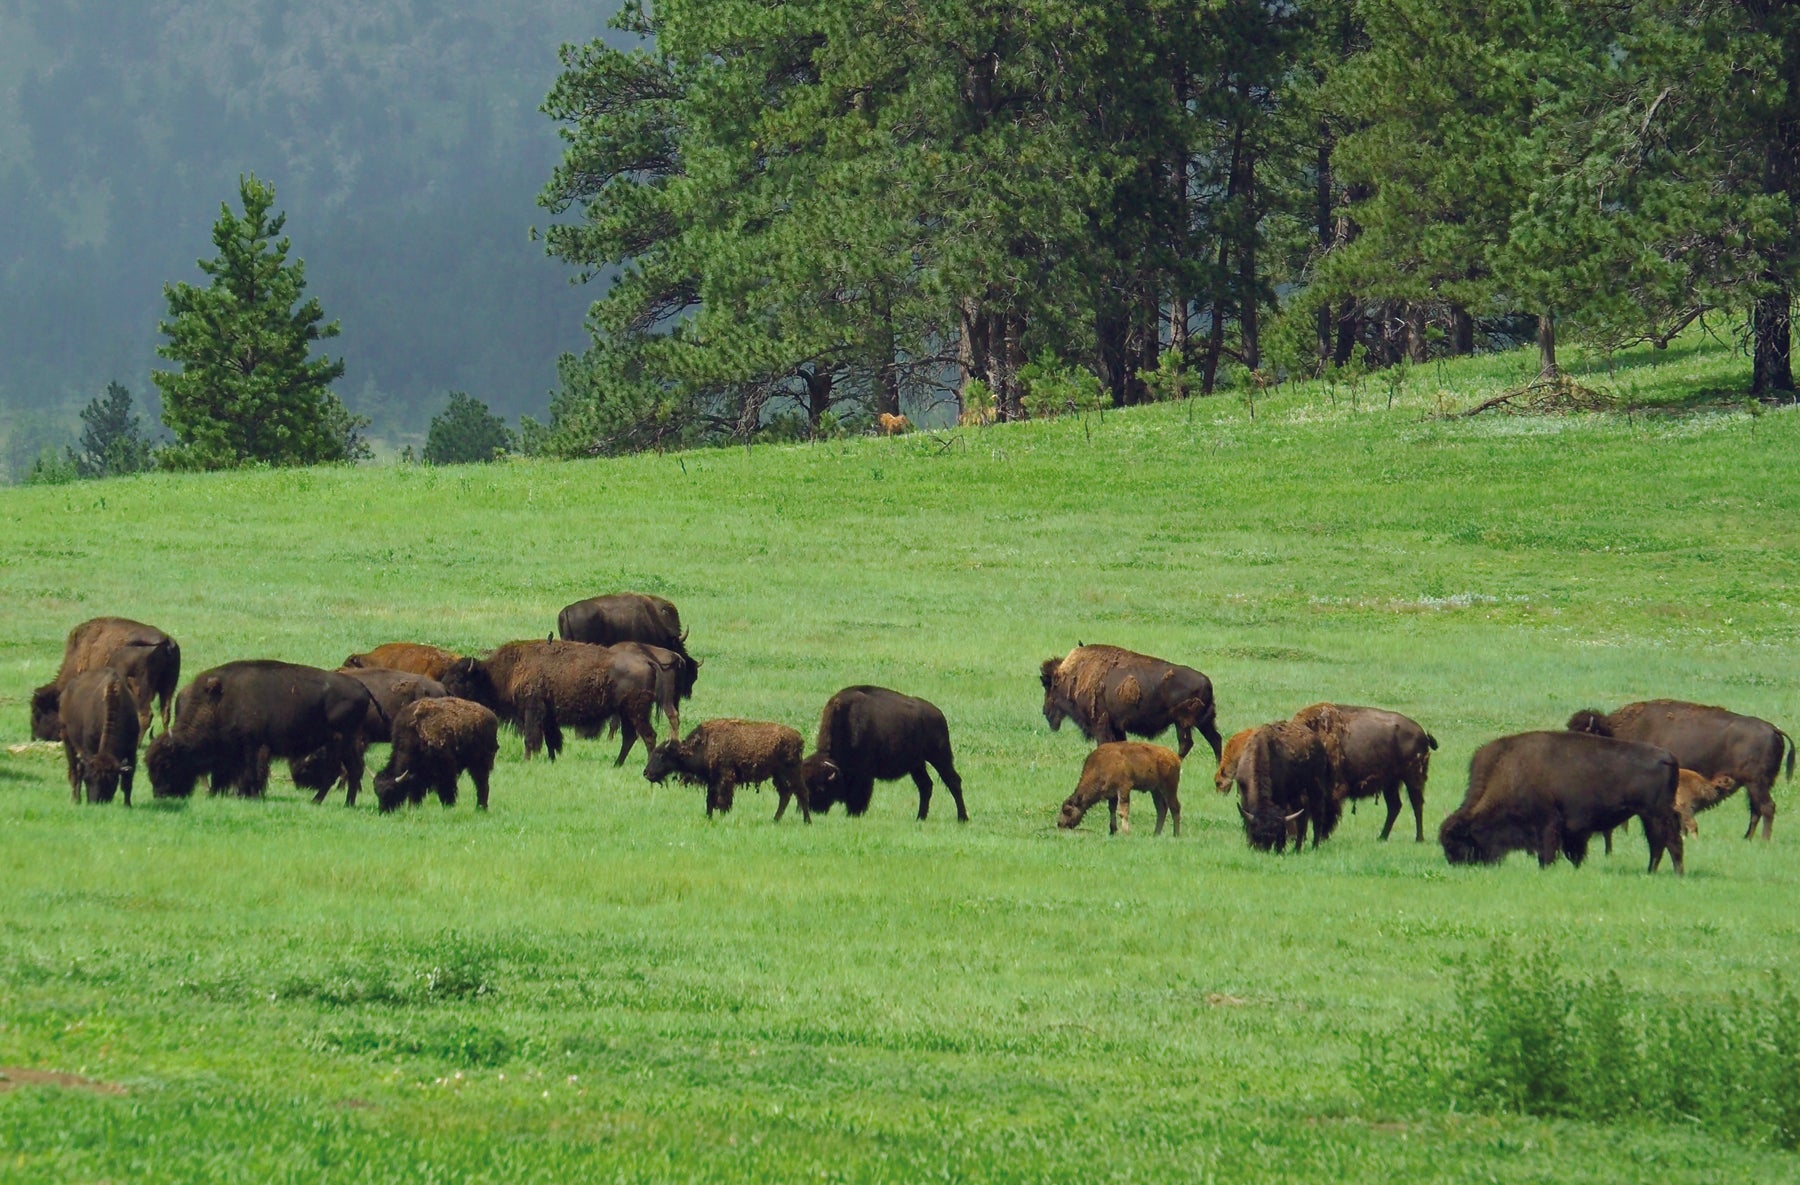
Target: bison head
(103, 772)
(1071, 814)
(390, 790)
(46, 723)
(824, 782)
(1461, 843)
(1056, 706)
(1268, 828)
(1590, 720)
(318, 770)
(661, 763)
(468, 679)
(174, 766)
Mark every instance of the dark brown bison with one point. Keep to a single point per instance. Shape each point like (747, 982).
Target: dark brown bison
(1112, 771)
(99, 734)
(725, 754)
(412, 657)
(230, 721)
(871, 734)
(489, 681)
(392, 690)
(1289, 777)
(435, 740)
(1383, 751)
(149, 659)
(1546, 792)
(630, 617)
(1110, 693)
(584, 688)
(1710, 741)
(671, 683)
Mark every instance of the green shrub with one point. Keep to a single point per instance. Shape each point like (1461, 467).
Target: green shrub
(466, 431)
(1527, 1039)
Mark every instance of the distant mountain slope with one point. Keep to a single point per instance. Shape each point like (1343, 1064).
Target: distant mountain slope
(404, 141)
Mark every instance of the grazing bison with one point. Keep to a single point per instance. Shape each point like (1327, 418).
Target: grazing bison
(1111, 693)
(392, 690)
(1112, 771)
(870, 734)
(232, 719)
(558, 685)
(1693, 794)
(1226, 775)
(435, 740)
(630, 617)
(674, 680)
(1547, 792)
(415, 658)
(1383, 751)
(1289, 776)
(149, 660)
(724, 754)
(1710, 741)
(99, 734)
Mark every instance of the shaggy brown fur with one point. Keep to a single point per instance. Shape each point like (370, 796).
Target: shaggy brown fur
(149, 660)
(892, 425)
(1694, 793)
(557, 685)
(435, 741)
(99, 734)
(1708, 740)
(1111, 693)
(1381, 752)
(723, 754)
(392, 691)
(1112, 771)
(413, 657)
(1288, 777)
(1226, 777)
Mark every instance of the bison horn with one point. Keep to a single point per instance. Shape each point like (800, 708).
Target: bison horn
(1244, 812)
(1295, 815)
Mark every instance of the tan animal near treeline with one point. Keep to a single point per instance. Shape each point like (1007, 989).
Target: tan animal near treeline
(1112, 771)
(893, 425)
(976, 417)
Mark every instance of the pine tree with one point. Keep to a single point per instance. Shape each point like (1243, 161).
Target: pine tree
(464, 432)
(112, 437)
(248, 390)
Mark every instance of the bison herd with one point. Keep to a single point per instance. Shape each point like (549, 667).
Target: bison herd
(618, 661)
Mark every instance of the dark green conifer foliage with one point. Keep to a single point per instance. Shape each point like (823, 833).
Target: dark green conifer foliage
(248, 390)
(466, 431)
(112, 437)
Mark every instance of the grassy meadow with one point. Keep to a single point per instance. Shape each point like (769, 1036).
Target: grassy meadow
(592, 982)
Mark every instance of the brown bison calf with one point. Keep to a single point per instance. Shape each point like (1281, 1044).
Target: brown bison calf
(1226, 775)
(99, 734)
(1112, 771)
(1694, 793)
(722, 754)
(435, 741)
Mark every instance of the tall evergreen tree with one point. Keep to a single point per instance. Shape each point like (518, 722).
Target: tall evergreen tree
(248, 390)
(112, 437)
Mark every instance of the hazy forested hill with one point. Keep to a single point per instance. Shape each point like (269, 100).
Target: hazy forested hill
(404, 141)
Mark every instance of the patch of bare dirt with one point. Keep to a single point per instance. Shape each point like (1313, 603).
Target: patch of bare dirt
(13, 1077)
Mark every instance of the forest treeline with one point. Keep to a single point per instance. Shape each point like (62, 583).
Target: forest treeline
(817, 211)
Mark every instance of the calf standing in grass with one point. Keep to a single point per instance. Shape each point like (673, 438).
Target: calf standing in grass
(722, 754)
(1693, 794)
(99, 734)
(1112, 771)
(435, 740)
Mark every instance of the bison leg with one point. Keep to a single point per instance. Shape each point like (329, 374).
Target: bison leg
(1762, 806)
(478, 773)
(1162, 812)
(1122, 811)
(1391, 794)
(1549, 842)
(952, 782)
(125, 781)
(1185, 735)
(350, 758)
(922, 780)
(75, 774)
(1415, 794)
(790, 784)
(1210, 731)
(636, 715)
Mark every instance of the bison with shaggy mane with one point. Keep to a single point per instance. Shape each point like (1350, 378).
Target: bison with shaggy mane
(1110, 693)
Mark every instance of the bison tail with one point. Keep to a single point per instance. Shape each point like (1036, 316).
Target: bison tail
(1431, 742)
(1790, 754)
(1592, 721)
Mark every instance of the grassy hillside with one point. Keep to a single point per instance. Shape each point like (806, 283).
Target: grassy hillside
(593, 982)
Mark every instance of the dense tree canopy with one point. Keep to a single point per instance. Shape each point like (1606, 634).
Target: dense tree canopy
(824, 209)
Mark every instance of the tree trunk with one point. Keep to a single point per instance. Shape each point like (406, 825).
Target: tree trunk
(1462, 331)
(1772, 367)
(1215, 335)
(1111, 334)
(1327, 229)
(1417, 344)
(1349, 328)
(1546, 336)
(972, 349)
(1248, 324)
(887, 372)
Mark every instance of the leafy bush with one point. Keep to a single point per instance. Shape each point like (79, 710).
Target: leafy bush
(1527, 1039)
(52, 468)
(466, 431)
(1051, 389)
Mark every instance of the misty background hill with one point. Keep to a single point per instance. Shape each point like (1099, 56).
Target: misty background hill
(405, 144)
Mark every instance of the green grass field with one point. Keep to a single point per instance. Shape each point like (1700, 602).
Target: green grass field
(592, 982)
